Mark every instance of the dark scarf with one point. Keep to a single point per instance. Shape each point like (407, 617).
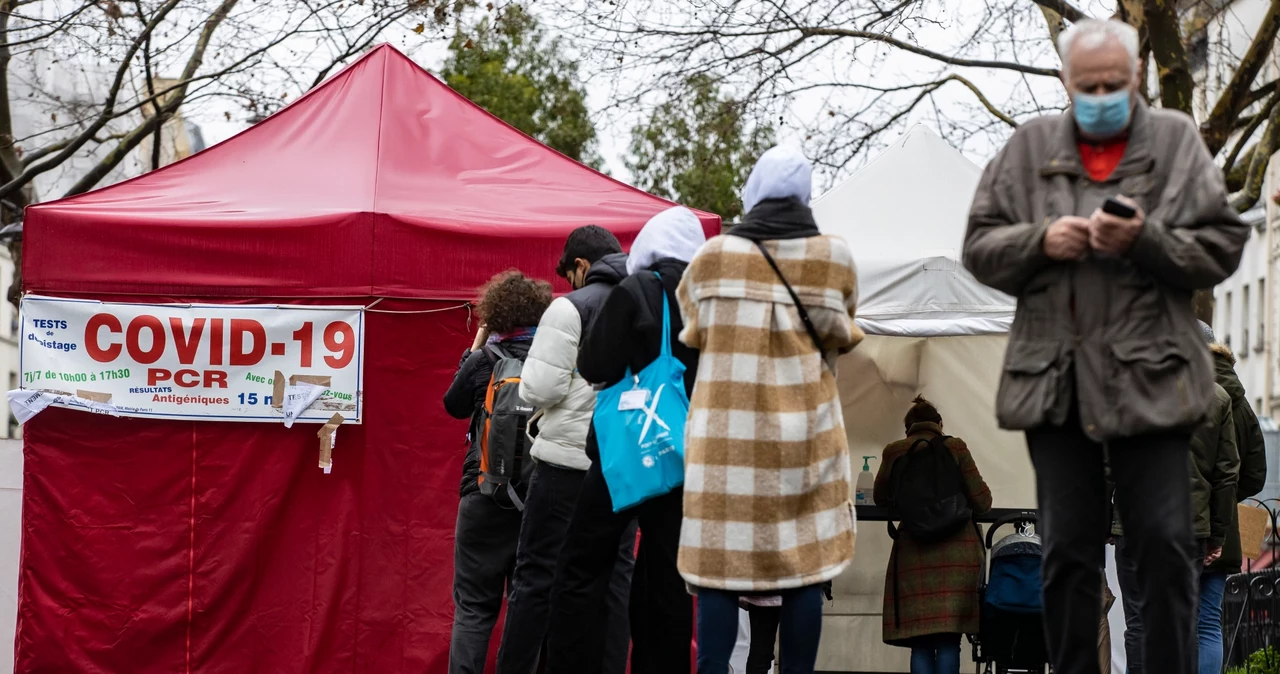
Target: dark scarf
(774, 219)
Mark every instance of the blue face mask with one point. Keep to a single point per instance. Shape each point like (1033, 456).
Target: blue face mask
(1102, 115)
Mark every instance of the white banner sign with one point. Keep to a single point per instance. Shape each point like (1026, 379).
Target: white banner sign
(194, 361)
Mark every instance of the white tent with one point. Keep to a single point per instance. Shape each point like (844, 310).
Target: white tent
(932, 330)
(904, 216)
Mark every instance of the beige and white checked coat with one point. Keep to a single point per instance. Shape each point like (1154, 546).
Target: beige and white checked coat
(766, 493)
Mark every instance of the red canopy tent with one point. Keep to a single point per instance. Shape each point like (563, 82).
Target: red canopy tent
(177, 546)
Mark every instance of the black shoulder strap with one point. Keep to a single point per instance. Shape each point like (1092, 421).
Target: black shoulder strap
(804, 315)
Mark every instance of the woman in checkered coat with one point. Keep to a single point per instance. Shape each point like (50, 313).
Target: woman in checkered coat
(931, 590)
(766, 500)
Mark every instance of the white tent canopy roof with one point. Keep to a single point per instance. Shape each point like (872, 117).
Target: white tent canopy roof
(904, 216)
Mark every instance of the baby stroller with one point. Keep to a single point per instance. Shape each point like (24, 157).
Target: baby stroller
(1011, 632)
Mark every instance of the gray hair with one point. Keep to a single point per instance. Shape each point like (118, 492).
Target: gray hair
(1092, 33)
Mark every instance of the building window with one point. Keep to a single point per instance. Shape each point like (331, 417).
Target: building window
(1260, 344)
(12, 430)
(1226, 320)
(1244, 323)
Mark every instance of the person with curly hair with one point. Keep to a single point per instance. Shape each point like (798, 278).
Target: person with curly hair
(488, 529)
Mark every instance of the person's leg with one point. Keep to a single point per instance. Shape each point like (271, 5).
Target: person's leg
(1153, 497)
(1127, 572)
(617, 648)
(548, 509)
(579, 617)
(1073, 525)
(480, 566)
(924, 660)
(717, 630)
(662, 622)
(764, 635)
(801, 630)
(1213, 585)
(949, 654)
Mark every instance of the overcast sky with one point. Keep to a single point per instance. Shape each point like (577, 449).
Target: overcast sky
(954, 20)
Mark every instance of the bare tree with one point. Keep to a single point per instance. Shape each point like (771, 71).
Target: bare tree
(135, 65)
(778, 50)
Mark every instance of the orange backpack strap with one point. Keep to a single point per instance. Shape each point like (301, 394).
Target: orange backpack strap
(484, 429)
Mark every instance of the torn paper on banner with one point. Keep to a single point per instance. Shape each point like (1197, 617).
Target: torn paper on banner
(297, 398)
(26, 404)
(328, 434)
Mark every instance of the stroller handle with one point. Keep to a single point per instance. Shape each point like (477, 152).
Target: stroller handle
(1027, 517)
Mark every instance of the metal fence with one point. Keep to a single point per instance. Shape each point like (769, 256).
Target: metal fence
(1251, 607)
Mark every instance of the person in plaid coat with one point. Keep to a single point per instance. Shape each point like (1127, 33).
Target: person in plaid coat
(766, 494)
(931, 590)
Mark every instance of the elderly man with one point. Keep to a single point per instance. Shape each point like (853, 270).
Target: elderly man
(1103, 222)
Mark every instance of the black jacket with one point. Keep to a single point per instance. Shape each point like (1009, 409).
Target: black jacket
(628, 330)
(601, 279)
(465, 400)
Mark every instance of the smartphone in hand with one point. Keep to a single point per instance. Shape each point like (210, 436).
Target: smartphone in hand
(1113, 206)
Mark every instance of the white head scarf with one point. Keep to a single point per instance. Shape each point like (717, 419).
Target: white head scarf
(674, 233)
(781, 173)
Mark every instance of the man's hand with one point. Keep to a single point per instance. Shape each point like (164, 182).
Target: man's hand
(1067, 238)
(1112, 235)
(1215, 553)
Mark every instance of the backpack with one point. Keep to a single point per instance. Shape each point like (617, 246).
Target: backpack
(928, 493)
(505, 462)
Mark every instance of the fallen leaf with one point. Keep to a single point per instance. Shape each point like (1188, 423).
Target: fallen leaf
(469, 44)
(227, 115)
(54, 117)
(419, 28)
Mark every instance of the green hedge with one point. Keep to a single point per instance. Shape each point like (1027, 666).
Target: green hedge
(1266, 661)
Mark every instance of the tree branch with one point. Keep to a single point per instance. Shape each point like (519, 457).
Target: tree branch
(10, 163)
(1261, 93)
(986, 103)
(88, 133)
(1229, 165)
(936, 56)
(163, 112)
(1236, 96)
(61, 26)
(1063, 9)
(361, 44)
(1258, 164)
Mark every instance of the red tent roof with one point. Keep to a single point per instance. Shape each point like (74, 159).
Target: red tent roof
(381, 181)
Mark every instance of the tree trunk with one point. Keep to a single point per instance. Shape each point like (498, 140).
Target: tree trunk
(1165, 36)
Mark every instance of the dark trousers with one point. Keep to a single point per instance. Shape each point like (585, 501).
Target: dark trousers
(764, 634)
(661, 608)
(1207, 645)
(1153, 498)
(549, 505)
(484, 556)
(1127, 573)
(800, 618)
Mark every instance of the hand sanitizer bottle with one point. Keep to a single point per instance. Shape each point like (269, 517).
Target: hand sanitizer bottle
(866, 486)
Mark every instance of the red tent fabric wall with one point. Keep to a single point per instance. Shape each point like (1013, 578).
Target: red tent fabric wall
(175, 546)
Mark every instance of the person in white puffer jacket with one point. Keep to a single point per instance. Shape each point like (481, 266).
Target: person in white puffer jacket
(593, 263)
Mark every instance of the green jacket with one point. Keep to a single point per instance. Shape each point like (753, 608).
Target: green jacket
(1252, 450)
(1215, 468)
